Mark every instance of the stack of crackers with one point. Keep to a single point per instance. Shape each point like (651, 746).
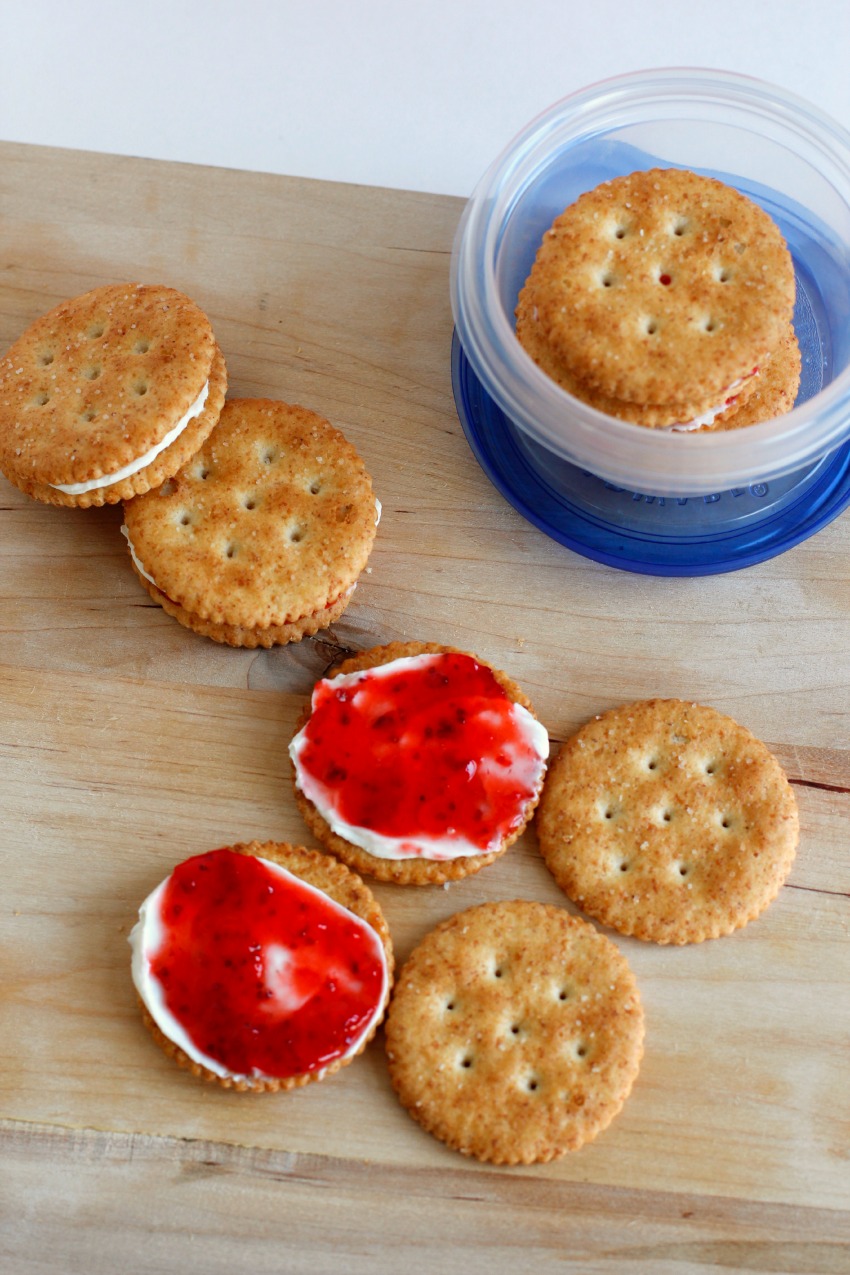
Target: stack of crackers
(248, 521)
(665, 298)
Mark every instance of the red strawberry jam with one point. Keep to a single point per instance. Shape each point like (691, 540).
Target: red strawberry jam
(262, 972)
(426, 755)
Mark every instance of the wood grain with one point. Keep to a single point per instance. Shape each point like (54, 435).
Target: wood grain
(427, 1219)
(127, 743)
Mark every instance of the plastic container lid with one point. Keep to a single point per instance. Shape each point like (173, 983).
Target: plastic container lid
(654, 535)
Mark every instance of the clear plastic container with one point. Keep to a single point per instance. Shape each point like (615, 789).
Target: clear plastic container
(781, 152)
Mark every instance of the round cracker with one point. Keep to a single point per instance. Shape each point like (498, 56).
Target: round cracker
(650, 415)
(663, 286)
(668, 821)
(346, 889)
(515, 1032)
(261, 537)
(99, 382)
(419, 871)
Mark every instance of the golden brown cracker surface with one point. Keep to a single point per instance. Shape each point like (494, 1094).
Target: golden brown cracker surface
(650, 415)
(262, 535)
(668, 821)
(662, 286)
(515, 1032)
(240, 635)
(100, 381)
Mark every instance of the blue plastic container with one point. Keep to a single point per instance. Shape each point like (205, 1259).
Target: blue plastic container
(639, 499)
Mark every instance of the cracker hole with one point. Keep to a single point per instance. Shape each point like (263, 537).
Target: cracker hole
(88, 415)
(620, 232)
(709, 324)
(203, 473)
(268, 455)
(624, 865)
(726, 821)
(711, 767)
(683, 869)
(564, 994)
(296, 535)
(666, 816)
(249, 502)
(581, 1049)
(652, 763)
(141, 347)
(532, 1084)
(466, 1062)
(315, 487)
(95, 331)
(679, 227)
(184, 520)
(91, 373)
(450, 1006)
(45, 359)
(515, 1029)
(722, 275)
(41, 399)
(230, 551)
(650, 327)
(607, 280)
(140, 388)
(666, 279)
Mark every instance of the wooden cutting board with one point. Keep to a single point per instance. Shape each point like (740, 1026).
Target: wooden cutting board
(129, 743)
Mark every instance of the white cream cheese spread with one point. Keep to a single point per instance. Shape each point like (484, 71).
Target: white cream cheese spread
(126, 471)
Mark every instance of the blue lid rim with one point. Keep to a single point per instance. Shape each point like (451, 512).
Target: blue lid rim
(629, 548)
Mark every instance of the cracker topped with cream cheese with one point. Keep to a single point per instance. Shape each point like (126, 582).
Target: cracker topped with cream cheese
(418, 763)
(108, 395)
(260, 539)
(659, 298)
(262, 966)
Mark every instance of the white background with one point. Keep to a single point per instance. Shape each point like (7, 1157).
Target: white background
(418, 95)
